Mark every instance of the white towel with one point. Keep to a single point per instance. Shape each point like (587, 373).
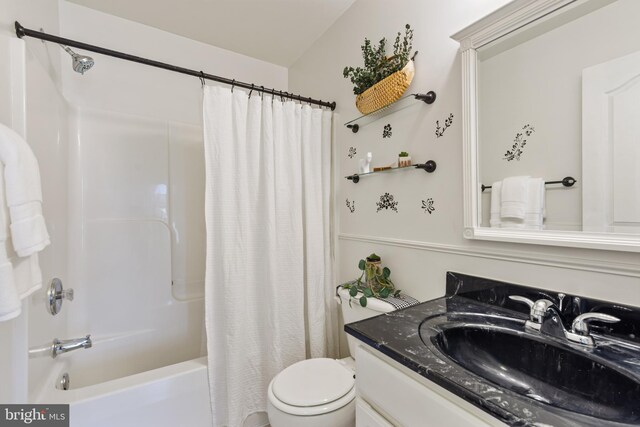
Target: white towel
(10, 306)
(20, 200)
(514, 197)
(23, 194)
(512, 223)
(496, 191)
(535, 204)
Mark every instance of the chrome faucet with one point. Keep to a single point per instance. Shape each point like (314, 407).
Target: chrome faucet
(537, 310)
(580, 326)
(579, 333)
(545, 317)
(64, 346)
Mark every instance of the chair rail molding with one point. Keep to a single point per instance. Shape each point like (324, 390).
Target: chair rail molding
(548, 260)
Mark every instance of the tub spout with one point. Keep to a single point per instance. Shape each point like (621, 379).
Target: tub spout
(64, 346)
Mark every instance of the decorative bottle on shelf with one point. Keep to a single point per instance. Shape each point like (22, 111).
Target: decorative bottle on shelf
(365, 164)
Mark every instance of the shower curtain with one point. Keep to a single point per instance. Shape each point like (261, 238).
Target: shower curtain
(269, 283)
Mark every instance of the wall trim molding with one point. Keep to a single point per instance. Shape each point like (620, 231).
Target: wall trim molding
(559, 261)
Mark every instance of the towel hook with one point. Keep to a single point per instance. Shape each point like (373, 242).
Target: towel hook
(202, 78)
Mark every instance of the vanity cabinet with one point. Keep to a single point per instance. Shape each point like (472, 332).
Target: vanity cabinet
(389, 394)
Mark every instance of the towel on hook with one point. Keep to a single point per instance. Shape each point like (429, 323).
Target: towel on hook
(514, 197)
(23, 194)
(496, 190)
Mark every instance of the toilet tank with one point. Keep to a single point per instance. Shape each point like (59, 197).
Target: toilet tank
(354, 312)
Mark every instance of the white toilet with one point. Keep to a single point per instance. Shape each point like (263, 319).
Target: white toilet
(321, 392)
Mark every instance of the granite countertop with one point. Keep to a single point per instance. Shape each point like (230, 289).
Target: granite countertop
(406, 336)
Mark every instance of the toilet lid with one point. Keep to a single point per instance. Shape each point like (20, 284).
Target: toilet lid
(313, 382)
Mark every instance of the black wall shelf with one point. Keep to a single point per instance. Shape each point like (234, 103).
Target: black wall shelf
(405, 101)
(428, 167)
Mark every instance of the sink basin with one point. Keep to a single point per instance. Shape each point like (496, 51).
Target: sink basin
(540, 369)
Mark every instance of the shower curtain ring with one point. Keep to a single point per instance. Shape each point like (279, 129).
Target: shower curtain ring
(273, 95)
(251, 91)
(261, 92)
(233, 84)
(202, 78)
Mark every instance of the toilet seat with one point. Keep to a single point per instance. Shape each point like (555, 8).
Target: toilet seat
(312, 387)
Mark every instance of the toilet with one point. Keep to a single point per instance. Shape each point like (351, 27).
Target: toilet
(321, 392)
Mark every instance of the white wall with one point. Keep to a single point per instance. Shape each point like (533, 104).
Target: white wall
(127, 87)
(420, 247)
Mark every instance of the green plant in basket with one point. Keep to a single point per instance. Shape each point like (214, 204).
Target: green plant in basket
(377, 281)
(377, 65)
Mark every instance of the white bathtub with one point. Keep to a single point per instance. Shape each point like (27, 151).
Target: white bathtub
(172, 396)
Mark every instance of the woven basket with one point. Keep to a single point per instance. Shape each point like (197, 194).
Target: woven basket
(386, 91)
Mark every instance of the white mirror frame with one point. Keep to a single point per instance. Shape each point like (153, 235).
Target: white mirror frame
(503, 21)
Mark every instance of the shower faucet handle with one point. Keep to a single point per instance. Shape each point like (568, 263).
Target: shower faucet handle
(56, 294)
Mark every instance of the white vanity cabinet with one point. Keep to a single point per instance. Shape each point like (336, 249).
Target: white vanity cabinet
(389, 394)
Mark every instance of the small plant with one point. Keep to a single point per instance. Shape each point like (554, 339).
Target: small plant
(377, 65)
(404, 160)
(377, 282)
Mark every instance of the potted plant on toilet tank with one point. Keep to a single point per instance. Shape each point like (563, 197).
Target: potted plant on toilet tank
(377, 282)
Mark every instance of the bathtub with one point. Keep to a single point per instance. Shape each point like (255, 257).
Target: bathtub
(172, 396)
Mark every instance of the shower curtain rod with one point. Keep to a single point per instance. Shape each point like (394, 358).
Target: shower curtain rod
(26, 32)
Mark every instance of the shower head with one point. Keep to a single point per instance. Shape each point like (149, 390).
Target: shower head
(80, 63)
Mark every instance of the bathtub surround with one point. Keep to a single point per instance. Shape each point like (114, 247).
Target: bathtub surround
(122, 182)
(268, 282)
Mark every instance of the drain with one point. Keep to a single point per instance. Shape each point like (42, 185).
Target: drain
(63, 382)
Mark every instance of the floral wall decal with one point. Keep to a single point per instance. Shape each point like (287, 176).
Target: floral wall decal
(351, 205)
(518, 143)
(386, 132)
(352, 152)
(447, 124)
(387, 202)
(427, 206)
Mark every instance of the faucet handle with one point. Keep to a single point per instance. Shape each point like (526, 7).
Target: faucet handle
(581, 323)
(56, 294)
(539, 309)
(524, 300)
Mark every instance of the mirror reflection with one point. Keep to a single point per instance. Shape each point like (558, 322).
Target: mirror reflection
(560, 99)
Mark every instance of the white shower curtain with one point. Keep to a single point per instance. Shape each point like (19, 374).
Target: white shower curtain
(269, 281)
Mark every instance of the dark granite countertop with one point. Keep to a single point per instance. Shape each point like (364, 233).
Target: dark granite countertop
(407, 337)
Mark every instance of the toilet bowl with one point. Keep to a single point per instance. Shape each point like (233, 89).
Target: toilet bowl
(313, 393)
(321, 392)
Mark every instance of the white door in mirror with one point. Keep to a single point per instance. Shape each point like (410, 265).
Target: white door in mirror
(610, 149)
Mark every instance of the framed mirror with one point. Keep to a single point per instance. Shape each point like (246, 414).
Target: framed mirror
(551, 106)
